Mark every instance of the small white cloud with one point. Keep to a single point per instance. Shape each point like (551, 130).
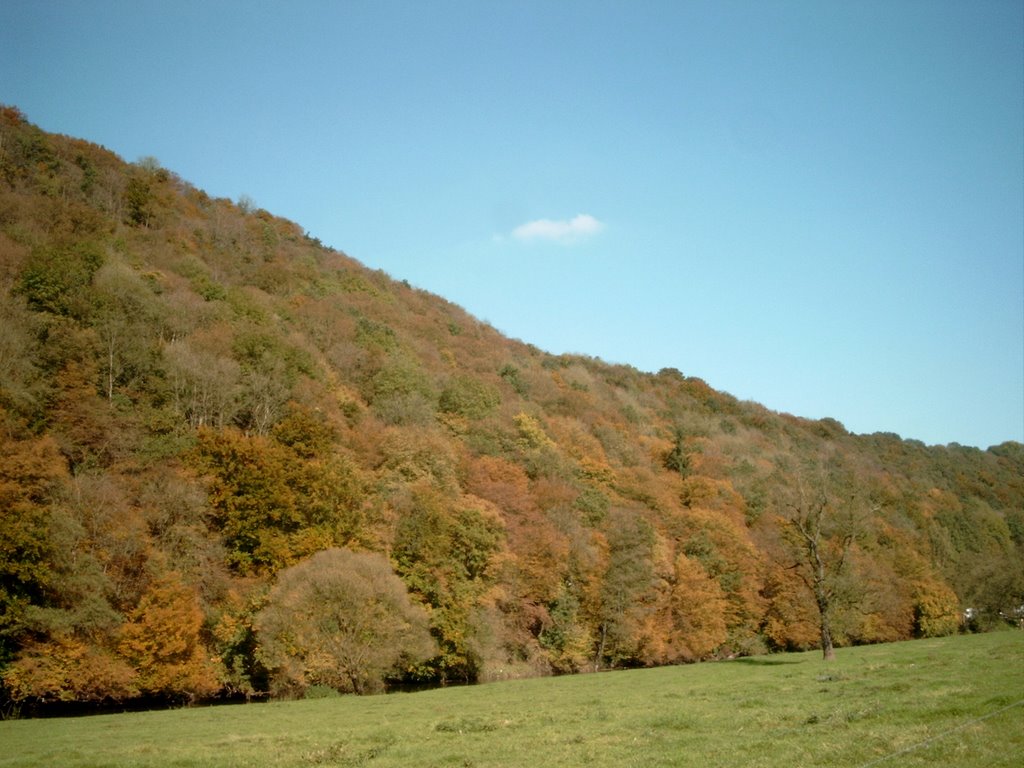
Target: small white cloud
(571, 231)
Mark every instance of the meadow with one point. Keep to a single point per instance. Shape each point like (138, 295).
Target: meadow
(954, 701)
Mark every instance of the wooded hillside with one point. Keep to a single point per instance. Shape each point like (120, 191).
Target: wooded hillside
(196, 397)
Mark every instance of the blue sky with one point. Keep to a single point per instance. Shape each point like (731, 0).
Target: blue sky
(817, 206)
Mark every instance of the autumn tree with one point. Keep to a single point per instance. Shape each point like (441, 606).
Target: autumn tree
(790, 620)
(205, 386)
(576, 611)
(711, 530)
(162, 641)
(204, 379)
(936, 609)
(274, 505)
(69, 668)
(175, 513)
(269, 369)
(251, 502)
(59, 578)
(546, 509)
(31, 472)
(697, 609)
(341, 619)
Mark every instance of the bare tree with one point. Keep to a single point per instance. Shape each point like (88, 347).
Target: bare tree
(206, 386)
(822, 518)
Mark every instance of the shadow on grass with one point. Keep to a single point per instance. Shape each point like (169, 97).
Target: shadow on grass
(761, 661)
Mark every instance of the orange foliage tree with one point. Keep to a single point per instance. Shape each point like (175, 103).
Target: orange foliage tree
(697, 609)
(162, 641)
(67, 668)
(31, 471)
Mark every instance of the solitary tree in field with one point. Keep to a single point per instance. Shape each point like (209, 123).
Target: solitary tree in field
(821, 518)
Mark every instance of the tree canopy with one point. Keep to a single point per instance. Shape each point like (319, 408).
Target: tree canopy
(341, 619)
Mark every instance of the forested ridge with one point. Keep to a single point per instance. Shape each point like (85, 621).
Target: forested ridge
(233, 461)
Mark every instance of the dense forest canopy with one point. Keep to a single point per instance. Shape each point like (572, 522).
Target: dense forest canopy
(208, 419)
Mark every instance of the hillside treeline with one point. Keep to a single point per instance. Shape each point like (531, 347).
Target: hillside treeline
(209, 421)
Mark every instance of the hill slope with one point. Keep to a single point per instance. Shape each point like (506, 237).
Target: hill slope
(195, 395)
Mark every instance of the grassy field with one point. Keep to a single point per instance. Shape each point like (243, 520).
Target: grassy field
(952, 701)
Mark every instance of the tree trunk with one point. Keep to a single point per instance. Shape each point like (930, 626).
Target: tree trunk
(828, 653)
(823, 599)
(110, 368)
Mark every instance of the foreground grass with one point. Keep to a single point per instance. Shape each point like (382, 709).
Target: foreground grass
(950, 701)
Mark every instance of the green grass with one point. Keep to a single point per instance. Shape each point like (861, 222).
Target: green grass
(949, 701)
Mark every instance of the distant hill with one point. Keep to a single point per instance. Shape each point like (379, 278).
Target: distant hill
(196, 395)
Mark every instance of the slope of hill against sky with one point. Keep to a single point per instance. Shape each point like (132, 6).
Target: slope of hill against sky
(815, 206)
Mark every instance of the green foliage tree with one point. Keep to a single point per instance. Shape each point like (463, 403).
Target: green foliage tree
(341, 619)
(469, 397)
(444, 552)
(82, 583)
(56, 278)
(627, 588)
(401, 393)
(23, 386)
(566, 636)
(138, 200)
(512, 375)
(236, 644)
(678, 458)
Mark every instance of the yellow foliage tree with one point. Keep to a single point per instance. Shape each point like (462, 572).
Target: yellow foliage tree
(162, 642)
(936, 609)
(66, 668)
